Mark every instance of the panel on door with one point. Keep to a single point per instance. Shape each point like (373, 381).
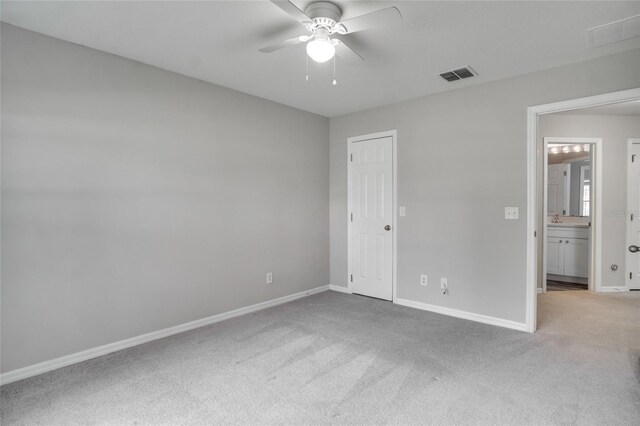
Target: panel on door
(555, 256)
(371, 245)
(576, 257)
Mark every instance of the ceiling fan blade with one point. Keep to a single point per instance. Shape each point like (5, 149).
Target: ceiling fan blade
(386, 16)
(348, 54)
(285, 43)
(292, 10)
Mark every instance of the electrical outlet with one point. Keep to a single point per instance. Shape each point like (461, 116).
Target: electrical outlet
(269, 277)
(444, 285)
(423, 280)
(511, 213)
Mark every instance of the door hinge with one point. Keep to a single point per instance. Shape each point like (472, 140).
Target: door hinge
(535, 234)
(351, 277)
(565, 172)
(351, 216)
(351, 157)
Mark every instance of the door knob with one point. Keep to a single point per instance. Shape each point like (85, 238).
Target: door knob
(388, 227)
(634, 249)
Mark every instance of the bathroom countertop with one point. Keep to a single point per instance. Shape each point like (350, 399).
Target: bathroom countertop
(569, 225)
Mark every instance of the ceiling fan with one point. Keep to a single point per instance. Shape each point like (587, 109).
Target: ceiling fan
(322, 21)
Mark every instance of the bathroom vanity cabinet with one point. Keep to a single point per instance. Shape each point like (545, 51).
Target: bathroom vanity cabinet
(568, 250)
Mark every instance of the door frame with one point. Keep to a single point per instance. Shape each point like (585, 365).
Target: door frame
(595, 231)
(393, 134)
(627, 256)
(533, 113)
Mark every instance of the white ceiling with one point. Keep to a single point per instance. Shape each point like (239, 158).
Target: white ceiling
(218, 41)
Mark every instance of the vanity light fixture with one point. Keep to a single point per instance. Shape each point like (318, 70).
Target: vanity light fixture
(566, 149)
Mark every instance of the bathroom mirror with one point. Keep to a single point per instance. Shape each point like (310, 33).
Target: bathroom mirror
(569, 180)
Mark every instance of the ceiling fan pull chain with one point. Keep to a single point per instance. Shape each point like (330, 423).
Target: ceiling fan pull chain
(335, 82)
(306, 78)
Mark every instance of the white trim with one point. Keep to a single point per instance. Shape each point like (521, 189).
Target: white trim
(339, 289)
(545, 210)
(567, 189)
(54, 364)
(630, 209)
(613, 289)
(394, 165)
(532, 203)
(539, 290)
(463, 314)
(531, 299)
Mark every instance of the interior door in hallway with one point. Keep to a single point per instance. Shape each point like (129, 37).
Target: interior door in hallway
(371, 217)
(632, 260)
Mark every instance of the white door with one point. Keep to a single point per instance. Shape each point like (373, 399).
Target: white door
(633, 215)
(371, 196)
(576, 257)
(556, 182)
(555, 256)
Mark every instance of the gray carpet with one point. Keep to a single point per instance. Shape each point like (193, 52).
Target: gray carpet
(342, 359)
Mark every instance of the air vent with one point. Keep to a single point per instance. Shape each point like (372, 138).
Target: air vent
(459, 74)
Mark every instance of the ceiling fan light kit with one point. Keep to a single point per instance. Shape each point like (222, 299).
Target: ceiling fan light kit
(321, 48)
(322, 19)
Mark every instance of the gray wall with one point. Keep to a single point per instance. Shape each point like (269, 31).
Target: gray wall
(614, 131)
(135, 199)
(461, 160)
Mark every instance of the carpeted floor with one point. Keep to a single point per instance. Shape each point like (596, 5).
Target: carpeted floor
(342, 359)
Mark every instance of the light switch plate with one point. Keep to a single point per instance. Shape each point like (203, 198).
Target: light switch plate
(403, 212)
(511, 213)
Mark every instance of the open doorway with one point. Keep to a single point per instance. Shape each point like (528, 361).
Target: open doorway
(612, 119)
(567, 209)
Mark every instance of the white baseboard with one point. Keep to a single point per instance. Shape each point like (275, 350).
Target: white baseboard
(54, 364)
(463, 314)
(339, 288)
(539, 290)
(613, 289)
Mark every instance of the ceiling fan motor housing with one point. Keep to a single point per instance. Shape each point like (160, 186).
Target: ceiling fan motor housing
(324, 14)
